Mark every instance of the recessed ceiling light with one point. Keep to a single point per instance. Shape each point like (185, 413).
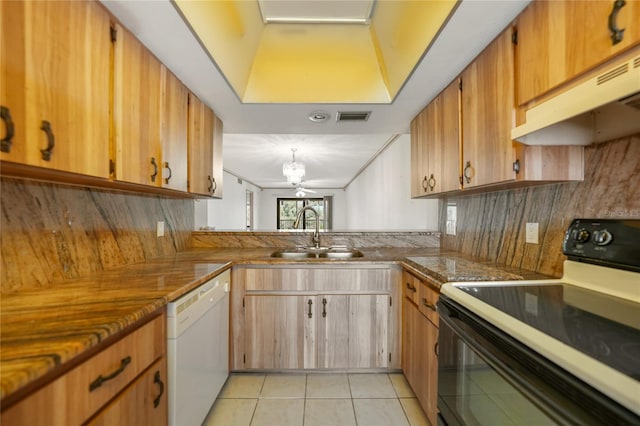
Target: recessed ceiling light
(319, 116)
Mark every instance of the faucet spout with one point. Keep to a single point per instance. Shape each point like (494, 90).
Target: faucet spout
(316, 233)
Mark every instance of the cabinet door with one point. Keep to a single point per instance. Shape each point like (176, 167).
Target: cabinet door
(488, 115)
(200, 144)
(444, 151)
(55, 84)
(144, 402)
(429, 369)
(175, 104)
(137, 149)
(280, 331)
(559, 40)
(217, 157)
(368, 331)
(333, 333)
(419, 161)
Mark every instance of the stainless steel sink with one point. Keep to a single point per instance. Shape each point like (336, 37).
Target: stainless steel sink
(317, 252)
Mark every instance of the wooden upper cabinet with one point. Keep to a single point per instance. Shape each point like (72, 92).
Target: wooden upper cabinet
(488, 115)
(55, 76)
(136, 150)
(559, 40)
(435, 145)
(205, 149)
(174, 124)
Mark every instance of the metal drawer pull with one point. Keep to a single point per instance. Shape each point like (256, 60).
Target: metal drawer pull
(428, 305)
(432, 182)
(166, 166)
(324, 307)
(157, 380)
(100, 380)
(617, 34)
(425, 184)
(411, 287)
(310, 313)
(5, 142)
(155, 169)
(467, 177)
(51, 140)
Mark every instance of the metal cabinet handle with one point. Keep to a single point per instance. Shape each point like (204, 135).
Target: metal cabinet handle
(411, 287)
(432, 182)
(166, 166)
(155, 169)
(425, 184)
(310, 313)
(100, 380)
(516, 166)
(210, 189)
(436, 349)
(617, 34)
(467, 177)
(324, 307)
(51, 140)
(158, 380)
(5, 142)
(428, 305)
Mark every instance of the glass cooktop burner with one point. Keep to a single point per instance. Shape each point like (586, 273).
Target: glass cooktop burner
(602, 326)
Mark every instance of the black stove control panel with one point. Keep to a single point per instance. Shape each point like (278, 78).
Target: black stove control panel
(610, 242)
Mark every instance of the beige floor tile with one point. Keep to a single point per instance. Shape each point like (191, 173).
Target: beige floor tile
(401, 386)
(371, 386)
(379, 412)
(242, 386)
(284, 386)
(279, 412)
(328, 386)
(413, 411)
(333, 412)
(231, 412)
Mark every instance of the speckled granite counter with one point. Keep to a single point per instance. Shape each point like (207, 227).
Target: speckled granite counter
(42, 329)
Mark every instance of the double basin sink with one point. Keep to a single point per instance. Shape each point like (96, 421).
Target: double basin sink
(334, 253)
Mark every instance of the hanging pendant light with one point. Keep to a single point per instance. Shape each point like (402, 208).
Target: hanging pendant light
(293, 170)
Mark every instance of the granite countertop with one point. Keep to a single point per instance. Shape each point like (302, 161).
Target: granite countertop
(42, 329)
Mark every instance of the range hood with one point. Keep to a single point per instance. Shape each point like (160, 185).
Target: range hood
(599, 109)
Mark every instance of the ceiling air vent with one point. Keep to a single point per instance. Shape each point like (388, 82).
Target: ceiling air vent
(353, 115)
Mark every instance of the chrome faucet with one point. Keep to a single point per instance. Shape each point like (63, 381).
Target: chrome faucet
(316, 233)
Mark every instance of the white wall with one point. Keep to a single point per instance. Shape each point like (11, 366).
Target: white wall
(268, 202)
(228, 213)
(379, 198)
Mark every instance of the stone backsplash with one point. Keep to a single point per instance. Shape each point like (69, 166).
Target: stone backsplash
(55, 232)
(492, 225)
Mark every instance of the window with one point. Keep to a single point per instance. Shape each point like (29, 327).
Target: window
(288, 209)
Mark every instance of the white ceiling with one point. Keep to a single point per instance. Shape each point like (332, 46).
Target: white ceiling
(258, 137)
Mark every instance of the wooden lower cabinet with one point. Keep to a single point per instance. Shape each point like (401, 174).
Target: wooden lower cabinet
(316, 331)
(315, 318)
(118, 385)
(143, 403)
(419, 354)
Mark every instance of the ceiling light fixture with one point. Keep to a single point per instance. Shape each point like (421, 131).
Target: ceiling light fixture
(293, 170)
(319, 116)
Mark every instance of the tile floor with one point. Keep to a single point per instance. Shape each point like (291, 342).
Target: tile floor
(323, 399)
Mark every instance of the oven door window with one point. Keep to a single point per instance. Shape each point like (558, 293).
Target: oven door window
(473, 393)
(485, 377)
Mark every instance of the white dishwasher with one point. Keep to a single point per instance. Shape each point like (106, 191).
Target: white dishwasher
(197, 350)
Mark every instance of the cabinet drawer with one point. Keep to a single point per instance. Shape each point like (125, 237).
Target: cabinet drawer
(410, 286)
(427, 303)
(77, 395)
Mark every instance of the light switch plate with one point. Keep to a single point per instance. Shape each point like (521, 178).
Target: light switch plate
(532, 233)
(160, 229)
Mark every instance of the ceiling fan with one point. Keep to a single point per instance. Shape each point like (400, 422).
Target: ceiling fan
(301, 191)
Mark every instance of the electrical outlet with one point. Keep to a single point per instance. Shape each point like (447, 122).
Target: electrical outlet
(160, 229)
(451, 219)
(532, 233)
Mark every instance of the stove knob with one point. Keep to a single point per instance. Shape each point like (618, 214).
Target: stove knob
(581, 235)
(602, 238)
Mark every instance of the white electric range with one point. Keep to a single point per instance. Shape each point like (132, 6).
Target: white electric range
(562, 351)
